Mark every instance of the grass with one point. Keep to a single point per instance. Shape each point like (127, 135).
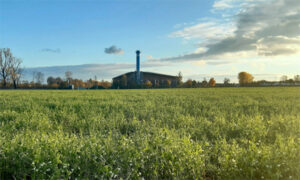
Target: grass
(221, 133)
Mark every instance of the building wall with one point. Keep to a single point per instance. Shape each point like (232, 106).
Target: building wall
(160, 79)
(155, 79)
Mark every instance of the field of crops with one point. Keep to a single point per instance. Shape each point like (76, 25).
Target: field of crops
(221, 133)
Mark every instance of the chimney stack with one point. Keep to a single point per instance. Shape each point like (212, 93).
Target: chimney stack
(138, 60)
(138, 76)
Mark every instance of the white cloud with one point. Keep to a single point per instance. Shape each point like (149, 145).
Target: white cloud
(199, 63)
(206, 31)
(261, 28)
(223, 4)
(200, 50)
(278, 45)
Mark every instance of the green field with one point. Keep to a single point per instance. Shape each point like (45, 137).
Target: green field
(215, 133)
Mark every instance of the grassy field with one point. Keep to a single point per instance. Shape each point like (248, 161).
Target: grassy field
(221, 133)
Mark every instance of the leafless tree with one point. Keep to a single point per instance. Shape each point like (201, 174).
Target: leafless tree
(297, 78)
(68, 76)
(283, 78)
(33, 76)
(39, 76)
(96, 81)
(204, 83)
(226, 81)
(5, 61)
(15, 71)
(179, 77)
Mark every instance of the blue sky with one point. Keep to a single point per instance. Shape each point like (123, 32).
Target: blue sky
(200, 38)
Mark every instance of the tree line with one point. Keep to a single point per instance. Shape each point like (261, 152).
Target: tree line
(244, 79)
(66, 82)
(11, 73)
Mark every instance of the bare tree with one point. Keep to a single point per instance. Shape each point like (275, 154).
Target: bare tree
(68, 76)
(15, 71)
(297, 78)
(39, 76)
(226, 81)
(179, 78)
(33, 76)
(96, 82)
(204, 83)
(5, 61)
(283, 78)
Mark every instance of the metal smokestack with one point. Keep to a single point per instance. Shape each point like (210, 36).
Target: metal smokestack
(138, 74)
(138, 60)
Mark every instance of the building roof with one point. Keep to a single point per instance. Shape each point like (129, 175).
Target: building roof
(123, 75)
(148, 73)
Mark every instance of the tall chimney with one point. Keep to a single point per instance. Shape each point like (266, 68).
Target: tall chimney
(138, 74)
(138, 60)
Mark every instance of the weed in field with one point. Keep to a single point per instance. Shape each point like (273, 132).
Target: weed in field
(229, 133)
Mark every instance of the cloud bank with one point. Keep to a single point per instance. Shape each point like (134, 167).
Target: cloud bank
(113, 50)
(263, 28)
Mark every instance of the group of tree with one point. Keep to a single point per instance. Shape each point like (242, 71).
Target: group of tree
(69, 82)
(246, 79)
(198, 84)
(63, 83)
(10, 69)
(285, 79)
(11, 73)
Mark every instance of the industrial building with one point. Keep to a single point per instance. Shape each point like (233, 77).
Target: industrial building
(138, 78)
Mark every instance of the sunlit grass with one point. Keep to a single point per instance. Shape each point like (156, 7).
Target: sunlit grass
(222, 133)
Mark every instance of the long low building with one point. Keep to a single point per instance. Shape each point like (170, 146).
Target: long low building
(137, 78)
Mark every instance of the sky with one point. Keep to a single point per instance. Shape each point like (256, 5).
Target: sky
(201, 39)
